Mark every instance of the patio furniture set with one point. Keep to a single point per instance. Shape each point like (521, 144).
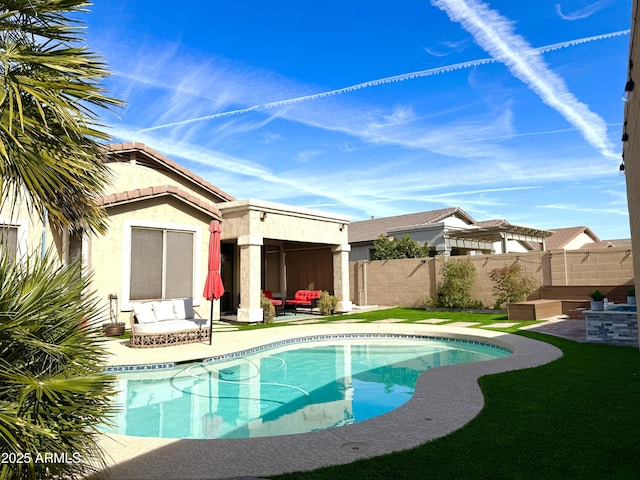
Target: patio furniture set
(301, 299)
(174, 322)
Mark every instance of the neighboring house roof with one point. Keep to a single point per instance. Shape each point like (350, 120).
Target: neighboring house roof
(620, 242)
(369, 230)
(562, 236)
(158, 191)
(150, 157)
(492, 223)
(597, 245)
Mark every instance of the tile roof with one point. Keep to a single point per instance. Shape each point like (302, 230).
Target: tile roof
(597, 245)
(492, 223)
(165, 162)
(562, 236)
(620, 242)
(146, 193)
(368, 230)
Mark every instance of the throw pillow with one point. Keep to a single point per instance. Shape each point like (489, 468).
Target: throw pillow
(183, 308)
(163, 310)
(144, 312)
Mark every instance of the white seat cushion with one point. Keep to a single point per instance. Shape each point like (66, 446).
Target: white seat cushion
(183, 308)
(144, 313)
(163, 310)
(169, 326)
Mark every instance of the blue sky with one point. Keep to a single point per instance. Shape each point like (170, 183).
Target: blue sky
(507, 109)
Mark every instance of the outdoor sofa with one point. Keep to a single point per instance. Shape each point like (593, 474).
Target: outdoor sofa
(166, 322)
(305, 299)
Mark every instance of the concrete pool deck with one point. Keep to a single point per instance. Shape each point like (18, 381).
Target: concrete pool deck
(444, 400)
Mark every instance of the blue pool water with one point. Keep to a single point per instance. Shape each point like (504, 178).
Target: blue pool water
(292, 389)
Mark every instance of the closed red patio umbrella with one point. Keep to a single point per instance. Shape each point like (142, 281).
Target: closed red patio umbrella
(213, 287)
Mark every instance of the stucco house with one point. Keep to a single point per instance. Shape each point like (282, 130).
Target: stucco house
(448, 231)
(157, 242)
(574, 238)
(582, 238)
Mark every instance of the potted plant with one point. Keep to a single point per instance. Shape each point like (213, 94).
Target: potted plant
(597, 300)
(113, 329)
(631, 295)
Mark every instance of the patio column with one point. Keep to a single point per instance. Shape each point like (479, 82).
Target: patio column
(341, 277)
(250, 275)
(504, 242)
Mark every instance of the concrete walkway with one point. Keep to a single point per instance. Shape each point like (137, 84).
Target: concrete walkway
(444, 400)
(561, 326)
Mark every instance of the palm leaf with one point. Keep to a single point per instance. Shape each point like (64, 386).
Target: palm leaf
(53, 393)
(49, 102)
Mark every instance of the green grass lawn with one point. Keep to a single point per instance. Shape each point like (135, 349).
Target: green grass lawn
(410, 315)
(577, 417)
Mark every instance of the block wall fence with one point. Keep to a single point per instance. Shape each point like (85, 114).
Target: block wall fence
(409, 282)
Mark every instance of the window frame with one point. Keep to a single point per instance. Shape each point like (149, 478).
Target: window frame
(22, 234)
(129, 225)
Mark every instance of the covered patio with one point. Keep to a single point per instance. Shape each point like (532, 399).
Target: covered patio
(270, 246)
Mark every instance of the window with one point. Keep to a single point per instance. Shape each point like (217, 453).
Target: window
(161, 264)
(8, 240)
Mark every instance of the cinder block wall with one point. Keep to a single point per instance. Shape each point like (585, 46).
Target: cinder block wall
(409, 282)
(391, 282)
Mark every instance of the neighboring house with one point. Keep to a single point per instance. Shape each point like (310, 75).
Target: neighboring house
(157, 242)
(619, 243)
(449, 231)
(574, 238)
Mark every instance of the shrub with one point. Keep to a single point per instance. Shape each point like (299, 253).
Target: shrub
(511, 284)
(268, 310)
(406, 247)
(455, 289)
(327, 303)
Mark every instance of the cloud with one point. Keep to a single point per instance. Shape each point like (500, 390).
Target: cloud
(572, 207)
(444, 137)
(446, 47)
(486, 190)
(549, 86)
(382, 188)
(308, 155)
(581, 13)
(329, 93)
(496, 35)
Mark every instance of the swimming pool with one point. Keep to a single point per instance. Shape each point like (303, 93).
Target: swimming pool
(299, 387)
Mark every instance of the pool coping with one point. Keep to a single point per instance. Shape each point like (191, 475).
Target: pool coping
(444, 400)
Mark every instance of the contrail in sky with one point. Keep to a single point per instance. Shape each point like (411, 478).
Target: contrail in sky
(494, 33)
(396, 78)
